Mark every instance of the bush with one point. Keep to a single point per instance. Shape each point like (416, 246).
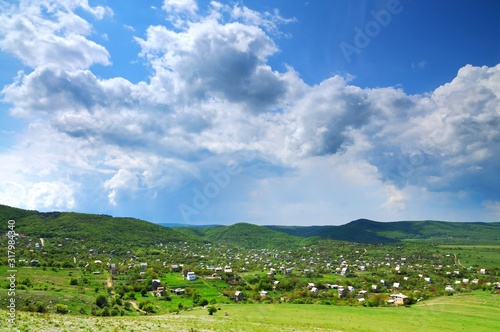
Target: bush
(115, 312)
(147, 306)
(211, 310)
(73, 282)
(41, 307)
(105, 312)
(61, 308)
(101, 301)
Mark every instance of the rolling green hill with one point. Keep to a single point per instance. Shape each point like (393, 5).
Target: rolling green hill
(247, 235)
(89, 227)
(104, 228)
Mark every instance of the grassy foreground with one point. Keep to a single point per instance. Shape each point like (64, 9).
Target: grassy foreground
(477, 311)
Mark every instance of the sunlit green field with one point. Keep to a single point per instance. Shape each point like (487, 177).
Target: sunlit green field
(477, 311)
(479, 255)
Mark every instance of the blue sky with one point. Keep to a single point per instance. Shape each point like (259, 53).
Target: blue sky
(275, 112)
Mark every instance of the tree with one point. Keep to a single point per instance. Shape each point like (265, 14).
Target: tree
(211, 310)
(101, 301)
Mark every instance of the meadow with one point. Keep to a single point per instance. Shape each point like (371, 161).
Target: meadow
(476, 255)
(475, 311)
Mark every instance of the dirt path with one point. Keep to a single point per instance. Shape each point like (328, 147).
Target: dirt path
(136, 307)
(109, 282)
(457, 261)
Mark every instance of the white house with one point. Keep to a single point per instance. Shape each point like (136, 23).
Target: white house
(191, 276)
(399, 299)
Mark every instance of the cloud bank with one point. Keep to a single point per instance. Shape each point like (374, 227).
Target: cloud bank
(306, 154)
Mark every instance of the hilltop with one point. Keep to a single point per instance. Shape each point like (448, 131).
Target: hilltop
(90, 227)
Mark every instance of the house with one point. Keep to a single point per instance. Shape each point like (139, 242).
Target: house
(238, 296)
(448, 288)
(342, 292)
(375, 288)
(276, 284)
(155, 283)
(263, 293)
(315, 290)
(228, 269)
(174, 268)
(362, 292)
(344, 271)
(399, 299)
(190, 276)
(178, 291)
(160, 291)
(396, 285)
(428, 280)
(482, 271)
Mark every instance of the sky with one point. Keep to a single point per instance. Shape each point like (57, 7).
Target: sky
(268, 112)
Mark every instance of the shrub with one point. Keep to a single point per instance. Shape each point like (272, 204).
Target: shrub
(41, 307)
(101, 301)
(147, 306)
(211, 310)
(105, 311)
(61, 308)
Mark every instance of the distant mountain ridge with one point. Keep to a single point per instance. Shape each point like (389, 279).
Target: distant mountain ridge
(369, 231)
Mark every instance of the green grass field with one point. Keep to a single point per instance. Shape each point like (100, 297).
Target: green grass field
(487, 256)
(476, 311)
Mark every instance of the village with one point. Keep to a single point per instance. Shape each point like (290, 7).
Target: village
(173, 276)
